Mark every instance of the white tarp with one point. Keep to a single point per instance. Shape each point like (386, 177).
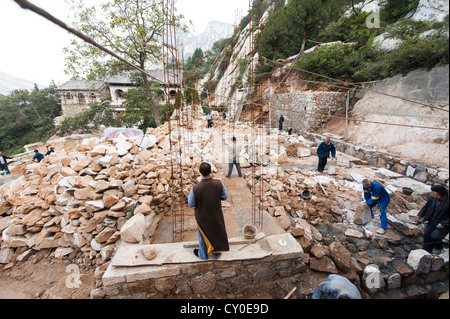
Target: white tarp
(114, 132)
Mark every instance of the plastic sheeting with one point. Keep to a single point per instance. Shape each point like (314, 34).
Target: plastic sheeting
(114, 132)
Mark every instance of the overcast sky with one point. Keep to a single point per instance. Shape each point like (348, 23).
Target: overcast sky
(31, 46)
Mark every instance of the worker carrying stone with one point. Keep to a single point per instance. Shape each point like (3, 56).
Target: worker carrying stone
(376, 194)
(324, 151)
(206, 197)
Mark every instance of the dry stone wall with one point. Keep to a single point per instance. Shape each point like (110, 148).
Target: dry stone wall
(422, 172)
(264, 278)
(307, 111)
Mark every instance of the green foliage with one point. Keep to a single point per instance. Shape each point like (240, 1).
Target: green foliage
(407, 28)
(418, 53)
(348, 29)
(393, 10)
(26, 117)
(363, 61)
(335, 61)
(285, 30)
(366, 63)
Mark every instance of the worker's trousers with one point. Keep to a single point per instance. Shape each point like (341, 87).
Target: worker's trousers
(433, 236)
(323, 160)
(230, 168)
(203, 250)
(383, 215)
(5, 167)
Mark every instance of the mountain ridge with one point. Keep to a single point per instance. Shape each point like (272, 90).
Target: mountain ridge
(9, 83)
(215, 31)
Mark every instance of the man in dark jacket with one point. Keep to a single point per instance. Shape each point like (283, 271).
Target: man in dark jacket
(435, 213)
(4, 163)
(323, 151)
(206, 197)
(280, 123)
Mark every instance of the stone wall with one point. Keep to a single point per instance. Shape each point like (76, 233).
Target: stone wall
(263, 278)
(423, 276)
(306, 111)
(421, 172)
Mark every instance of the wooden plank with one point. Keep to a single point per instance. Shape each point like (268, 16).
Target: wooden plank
(290, 293)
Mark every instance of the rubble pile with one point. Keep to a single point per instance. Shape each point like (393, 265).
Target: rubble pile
(78, 200)
(338, 234)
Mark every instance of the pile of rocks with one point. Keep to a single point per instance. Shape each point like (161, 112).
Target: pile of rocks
(77, 201)
(338, 234)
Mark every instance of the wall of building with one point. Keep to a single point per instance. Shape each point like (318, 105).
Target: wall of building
(74, 105)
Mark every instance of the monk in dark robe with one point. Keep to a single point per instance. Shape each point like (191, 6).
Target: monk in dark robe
(206, 197)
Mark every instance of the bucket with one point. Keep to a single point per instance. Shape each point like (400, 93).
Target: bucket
(306, 194)
(249, 231)
(407, 191)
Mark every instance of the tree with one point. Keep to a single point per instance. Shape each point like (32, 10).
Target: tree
(26, 117)
(393, 10)
(296, 22)
(130, 28)
(137, 107)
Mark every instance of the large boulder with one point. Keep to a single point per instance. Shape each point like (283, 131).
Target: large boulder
(133, 230)
(340, 255)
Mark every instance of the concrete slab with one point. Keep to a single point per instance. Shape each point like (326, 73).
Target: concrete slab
(130, 255)
(419, 188)
(385, 173)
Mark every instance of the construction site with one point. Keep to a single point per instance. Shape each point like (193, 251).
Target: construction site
(106, 215)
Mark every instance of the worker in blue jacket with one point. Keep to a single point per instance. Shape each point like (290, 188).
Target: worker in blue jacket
(323, 151)
(375, 194)
(37, 156)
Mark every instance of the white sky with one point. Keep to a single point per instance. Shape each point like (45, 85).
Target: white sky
(31, 46)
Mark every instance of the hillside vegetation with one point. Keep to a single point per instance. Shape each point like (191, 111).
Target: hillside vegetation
(26, 117)
(359, 54)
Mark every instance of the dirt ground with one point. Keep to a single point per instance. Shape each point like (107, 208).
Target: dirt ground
(43, 277)
(237, 211)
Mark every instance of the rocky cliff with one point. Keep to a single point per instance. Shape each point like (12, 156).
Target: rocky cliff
(411, 103)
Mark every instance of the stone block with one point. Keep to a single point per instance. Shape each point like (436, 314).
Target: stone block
(324, 264)
(373, 279)
(6, 255)
(362, 215)
(134, 229)
(420, 261)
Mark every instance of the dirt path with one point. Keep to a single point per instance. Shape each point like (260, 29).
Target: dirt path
(237, 212)
(43, 277)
